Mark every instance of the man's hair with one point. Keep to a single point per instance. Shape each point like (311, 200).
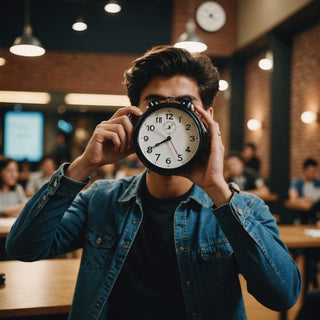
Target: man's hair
(169, 61)
(309, 163)
(234, 154)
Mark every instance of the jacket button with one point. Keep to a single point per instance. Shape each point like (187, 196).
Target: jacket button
(125, 246)
(218, 255)
(98, 240)
(194, 314)
(55, 183)
(239, 210)
(135, 222)
(44, 198)
(181, 249)
(188, 283)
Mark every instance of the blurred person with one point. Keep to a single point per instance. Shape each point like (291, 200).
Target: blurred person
(159, 246)
(61, 151)
(247, 178)
(37, 179)
(307, 190)
(24, 172)
(249, 156)
(12, 195)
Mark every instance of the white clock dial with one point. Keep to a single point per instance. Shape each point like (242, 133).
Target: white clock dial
(210, 16)
(168, 138)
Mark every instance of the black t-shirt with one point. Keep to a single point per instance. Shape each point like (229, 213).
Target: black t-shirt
(148, 287)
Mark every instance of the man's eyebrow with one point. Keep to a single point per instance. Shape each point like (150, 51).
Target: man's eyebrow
(154, 97)
(161, 97)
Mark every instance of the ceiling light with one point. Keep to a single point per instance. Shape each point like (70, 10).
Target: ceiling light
(27, 45)
(25, 97)
(79, 25)
(254, 124)
(112, 6)
(223, 85)
(267, 62)
(89, 99)
(190, 40)
(308, 117)
(2, 61)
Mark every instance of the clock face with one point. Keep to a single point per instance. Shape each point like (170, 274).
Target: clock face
(210, 16)
(168, 137)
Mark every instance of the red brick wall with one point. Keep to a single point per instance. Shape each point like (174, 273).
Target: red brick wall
(65, 72)
(258, 106)
(305, 96)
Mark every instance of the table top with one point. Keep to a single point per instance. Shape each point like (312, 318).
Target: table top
(37, 288)
(5, 226)
(297, 204)
(295, 236)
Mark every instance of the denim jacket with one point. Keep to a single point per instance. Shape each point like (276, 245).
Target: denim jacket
(213, 245)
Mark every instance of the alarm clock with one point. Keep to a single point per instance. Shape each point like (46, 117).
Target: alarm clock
(169, 137)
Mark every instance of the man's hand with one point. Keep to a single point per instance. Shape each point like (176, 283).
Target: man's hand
(110, 142)
(208, 172)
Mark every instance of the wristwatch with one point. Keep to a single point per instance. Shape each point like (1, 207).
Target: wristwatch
(234, 187)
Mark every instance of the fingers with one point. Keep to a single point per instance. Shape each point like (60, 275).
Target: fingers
(211, 125)
(118, 129)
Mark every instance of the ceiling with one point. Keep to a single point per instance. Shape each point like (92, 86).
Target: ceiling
(139, 26)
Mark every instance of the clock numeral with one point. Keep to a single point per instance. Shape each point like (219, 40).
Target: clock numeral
(150, 127)
(158, 119)
(188, 126)
(188, 149)
(180, 157)
(192, 138)
(180, 118)
(145, 138)
(168, 160)
(157, 156)
(169, 116)
(149, 149)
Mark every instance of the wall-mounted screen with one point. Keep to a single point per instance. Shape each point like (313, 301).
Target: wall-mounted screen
(23, 135)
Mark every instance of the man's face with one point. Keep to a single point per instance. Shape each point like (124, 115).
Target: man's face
(161, 87)
(234, 166)
(310, 173)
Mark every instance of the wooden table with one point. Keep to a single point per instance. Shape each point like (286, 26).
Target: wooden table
(37, 288)
(297, 204)
(5, 226)
(294, 236)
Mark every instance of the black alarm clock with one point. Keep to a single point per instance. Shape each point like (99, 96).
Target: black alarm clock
(169, 137)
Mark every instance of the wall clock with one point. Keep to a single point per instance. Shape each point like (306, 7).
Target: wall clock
(210, 16)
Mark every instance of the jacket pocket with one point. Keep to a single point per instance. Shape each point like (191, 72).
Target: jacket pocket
(217, 263)
(97, 248)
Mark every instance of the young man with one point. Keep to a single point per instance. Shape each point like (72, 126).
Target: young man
(154, 246)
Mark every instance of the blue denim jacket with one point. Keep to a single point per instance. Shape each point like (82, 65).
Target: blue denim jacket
(213, 245)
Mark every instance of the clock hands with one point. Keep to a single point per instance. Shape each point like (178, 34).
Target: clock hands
(168, 138)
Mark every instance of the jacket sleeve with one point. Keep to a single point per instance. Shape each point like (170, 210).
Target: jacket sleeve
(47, 227)
(272, 276)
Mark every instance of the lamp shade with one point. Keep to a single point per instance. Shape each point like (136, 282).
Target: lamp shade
(190, 40)
(27, 45)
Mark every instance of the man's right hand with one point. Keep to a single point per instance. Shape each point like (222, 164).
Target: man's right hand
(110, 142)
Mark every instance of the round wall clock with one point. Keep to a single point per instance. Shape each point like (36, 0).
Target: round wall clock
(169, 137)
(210, 16)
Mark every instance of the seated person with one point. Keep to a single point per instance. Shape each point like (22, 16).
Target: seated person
(306, 189)
(47, 167)
(12, 196)
(249, 156)
(247, 179)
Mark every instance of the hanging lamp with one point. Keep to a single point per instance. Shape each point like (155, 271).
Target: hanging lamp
(27, 45)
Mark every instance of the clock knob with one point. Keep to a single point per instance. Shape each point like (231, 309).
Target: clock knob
(152, 103)
(188, 104)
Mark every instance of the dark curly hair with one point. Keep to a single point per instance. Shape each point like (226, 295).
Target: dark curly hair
(4, 161)
(169, 61)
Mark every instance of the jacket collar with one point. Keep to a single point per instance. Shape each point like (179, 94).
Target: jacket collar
(133, 191)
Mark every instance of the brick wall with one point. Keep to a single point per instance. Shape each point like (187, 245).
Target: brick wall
(65, 72)
(257, 106)
(305, 95)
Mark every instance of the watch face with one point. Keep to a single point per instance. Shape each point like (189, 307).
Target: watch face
(210, 16)
(168, 138)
